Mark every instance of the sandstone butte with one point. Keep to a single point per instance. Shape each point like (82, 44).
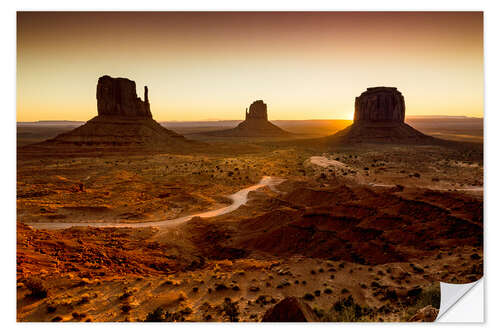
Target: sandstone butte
(256, 124)
(379, 115)
(123, 119)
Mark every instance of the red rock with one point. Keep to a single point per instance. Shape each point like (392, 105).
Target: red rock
(379, 104)
(118, 97)
(427, 314)
(379, 115)
(123, 120)
(255, 124)
(258, 110)
(291, 309)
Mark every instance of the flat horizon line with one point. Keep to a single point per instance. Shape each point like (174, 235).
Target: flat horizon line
(217, 120)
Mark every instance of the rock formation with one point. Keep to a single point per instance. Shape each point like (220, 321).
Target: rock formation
(379, 104)
(118, 97)
(379, 115)
(123, 119)
(255, 124)
(290, 309)
(258, 110)
(426, 314)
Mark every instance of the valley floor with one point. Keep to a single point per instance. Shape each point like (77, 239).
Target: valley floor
(357, 233)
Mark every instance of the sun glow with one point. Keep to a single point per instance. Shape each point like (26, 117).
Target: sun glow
(213, 65)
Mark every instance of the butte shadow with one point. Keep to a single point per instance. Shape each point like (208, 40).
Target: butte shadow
(123, 121)
(255, 125)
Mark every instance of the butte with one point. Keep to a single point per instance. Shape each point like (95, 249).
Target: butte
(123, 119)
(255, 124)
(379, 115)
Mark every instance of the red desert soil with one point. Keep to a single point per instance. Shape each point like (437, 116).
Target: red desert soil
(330, 236)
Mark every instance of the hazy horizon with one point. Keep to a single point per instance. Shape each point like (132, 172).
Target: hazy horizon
(199, 65)
(242, 119)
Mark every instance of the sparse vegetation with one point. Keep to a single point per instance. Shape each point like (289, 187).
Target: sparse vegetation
(134, 267)
(347, 310)
(231, 309)
(36, 287)
(427, 296)
(309, 297)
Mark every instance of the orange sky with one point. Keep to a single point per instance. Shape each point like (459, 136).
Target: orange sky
(212, 65)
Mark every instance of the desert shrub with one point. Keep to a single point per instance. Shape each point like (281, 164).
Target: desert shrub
(283, 284)
(159, 315)
(186, 311)
(36, 287)
(475, 256)
(320, 313)
(415, 291)
(84, 299)
(428, 296)
(126, 308)
(417, 268)
(391, 295)
(78, 316)
(347, 310)
(220, 287)
(308, 297)
(156, 315)
(231, 310)
(125, 295)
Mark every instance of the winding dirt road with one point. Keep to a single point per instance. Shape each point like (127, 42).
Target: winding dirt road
(239, 198)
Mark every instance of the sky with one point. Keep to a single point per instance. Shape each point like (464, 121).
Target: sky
(212, 65)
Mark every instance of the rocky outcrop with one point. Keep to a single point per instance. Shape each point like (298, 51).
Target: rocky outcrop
(379, 115)
(255, 124)
(258, 110)
(118, 97)
(291, 309)
(123, 119)
(379, 104)
(426, 314)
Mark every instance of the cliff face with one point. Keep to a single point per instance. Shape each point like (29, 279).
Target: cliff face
(123, 119)
(379, 104)
(258, 110)
(118, 97)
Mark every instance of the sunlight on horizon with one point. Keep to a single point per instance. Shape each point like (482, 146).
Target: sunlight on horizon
(200, 65)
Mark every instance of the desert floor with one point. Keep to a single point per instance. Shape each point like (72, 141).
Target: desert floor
(359, 233)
